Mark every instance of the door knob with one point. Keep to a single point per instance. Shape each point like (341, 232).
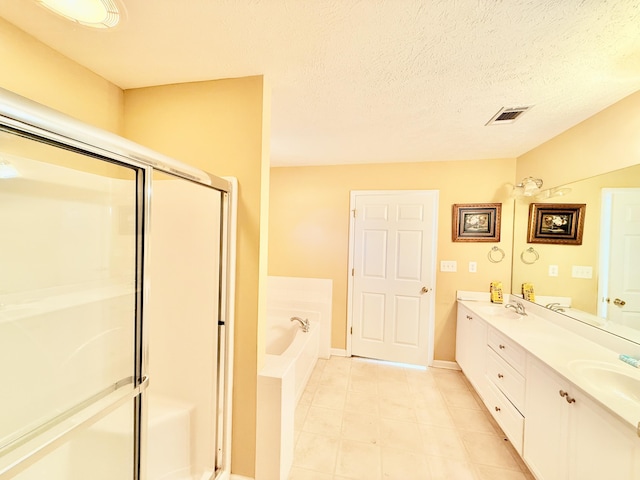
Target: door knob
(619, 303)
(425, 290)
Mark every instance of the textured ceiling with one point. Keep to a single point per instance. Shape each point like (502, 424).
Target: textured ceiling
(358, 81)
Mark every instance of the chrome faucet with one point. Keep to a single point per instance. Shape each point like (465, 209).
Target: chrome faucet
(555, 306)
(518, 307)
(304, 323)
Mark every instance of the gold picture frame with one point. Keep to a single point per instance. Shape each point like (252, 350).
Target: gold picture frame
(556, 223)
(476, 222)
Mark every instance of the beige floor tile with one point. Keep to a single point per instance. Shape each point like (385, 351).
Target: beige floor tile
(324, 421)
(363, 383)
(359, 461)
(337, 380)
(473, 420)
(461, 398)
(399, 408)
(402, 435)
(442, 442)
(438, 416)
(361, 427)
(307, 395)
(442, 468)
(492, 473)
(338, 365)
(329, 397)
(302, 474)
(363, 366)
(403, 465)
(362, 402)
(316, 452)
(488, 449)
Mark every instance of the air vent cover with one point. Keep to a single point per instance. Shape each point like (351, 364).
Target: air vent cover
(508, 115)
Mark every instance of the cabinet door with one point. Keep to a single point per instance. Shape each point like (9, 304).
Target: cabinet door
(600, 445)
(545, 432)
(471, 346)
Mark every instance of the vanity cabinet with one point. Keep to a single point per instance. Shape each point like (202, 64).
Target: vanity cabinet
(568, 436)
(505, 365)
(471, 345)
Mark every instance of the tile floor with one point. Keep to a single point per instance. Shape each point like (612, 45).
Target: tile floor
(360, 419)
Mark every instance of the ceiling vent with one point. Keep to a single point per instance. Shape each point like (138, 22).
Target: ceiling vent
(508, 115)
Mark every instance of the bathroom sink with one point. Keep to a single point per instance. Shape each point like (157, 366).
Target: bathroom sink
(499, 311)
(618, 380)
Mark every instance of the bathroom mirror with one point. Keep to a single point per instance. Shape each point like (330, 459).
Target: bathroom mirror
(580, 273)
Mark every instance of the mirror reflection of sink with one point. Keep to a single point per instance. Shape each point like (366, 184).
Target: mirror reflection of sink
(617, 380)
(500, 311)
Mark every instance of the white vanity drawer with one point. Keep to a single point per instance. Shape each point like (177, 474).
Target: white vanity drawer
(513, 353)
(510, 420)
(506, 378)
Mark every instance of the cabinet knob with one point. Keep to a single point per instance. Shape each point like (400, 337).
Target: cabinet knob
(570, 399)
(563, 393)
(469, 317)
(497, 409)
(500, 375)
(502, 347)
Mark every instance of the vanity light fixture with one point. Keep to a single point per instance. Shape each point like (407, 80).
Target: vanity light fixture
(553, 192)
(90, 13)
(528, 187)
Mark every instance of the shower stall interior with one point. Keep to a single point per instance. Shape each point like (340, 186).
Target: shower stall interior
(116, 306)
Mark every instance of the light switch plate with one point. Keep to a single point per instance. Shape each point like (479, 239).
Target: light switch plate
(553, 270)
(448, 266)
(473, 267)
(581, 271)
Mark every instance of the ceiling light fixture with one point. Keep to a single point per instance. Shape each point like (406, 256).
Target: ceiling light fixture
(528, 187)
(91, 13)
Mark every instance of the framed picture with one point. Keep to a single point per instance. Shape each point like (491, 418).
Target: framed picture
(559, 223)
(476, 222)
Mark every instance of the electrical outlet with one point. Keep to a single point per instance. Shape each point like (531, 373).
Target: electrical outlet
(448, 266)
(553, 270)
(473, 267)
(580, 271)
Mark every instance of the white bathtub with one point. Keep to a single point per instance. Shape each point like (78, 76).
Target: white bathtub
(291, 357)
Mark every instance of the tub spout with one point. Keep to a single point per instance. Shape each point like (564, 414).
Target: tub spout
(304, 323)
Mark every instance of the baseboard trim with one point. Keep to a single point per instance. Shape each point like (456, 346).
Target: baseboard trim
(445, 364)
(239, 477)
(339, 352)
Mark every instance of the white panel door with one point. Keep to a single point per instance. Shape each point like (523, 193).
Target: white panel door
(624, 259)
(393, 276)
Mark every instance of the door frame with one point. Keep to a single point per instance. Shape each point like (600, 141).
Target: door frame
(432, 279)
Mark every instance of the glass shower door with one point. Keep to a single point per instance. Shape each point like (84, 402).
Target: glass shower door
(70, 274)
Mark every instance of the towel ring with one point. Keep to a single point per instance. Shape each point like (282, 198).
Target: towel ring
(490, 255)
(533, 252)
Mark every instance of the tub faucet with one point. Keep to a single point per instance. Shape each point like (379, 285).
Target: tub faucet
(304, 323)
(518, 307)
(556, 307)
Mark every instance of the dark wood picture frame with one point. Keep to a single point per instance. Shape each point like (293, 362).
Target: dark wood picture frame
(476, 222)
(556, 223)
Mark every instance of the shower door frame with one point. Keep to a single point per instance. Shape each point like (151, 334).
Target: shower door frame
(31, 120)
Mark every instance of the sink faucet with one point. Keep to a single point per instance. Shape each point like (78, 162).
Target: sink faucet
(304, 323)
(518, 307)
(555, 306)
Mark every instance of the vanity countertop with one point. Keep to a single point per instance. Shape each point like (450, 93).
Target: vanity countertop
(569, 354)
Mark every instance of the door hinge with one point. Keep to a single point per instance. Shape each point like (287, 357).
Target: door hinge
(637, 431)
(351, 332)
(354, 213)
(353, 272)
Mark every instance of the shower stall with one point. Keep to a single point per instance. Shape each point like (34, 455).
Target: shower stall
(116, 306)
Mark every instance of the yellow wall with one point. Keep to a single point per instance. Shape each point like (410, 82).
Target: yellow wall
(309, 228)
(33, 70)
(221, 127)
(607, 141)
